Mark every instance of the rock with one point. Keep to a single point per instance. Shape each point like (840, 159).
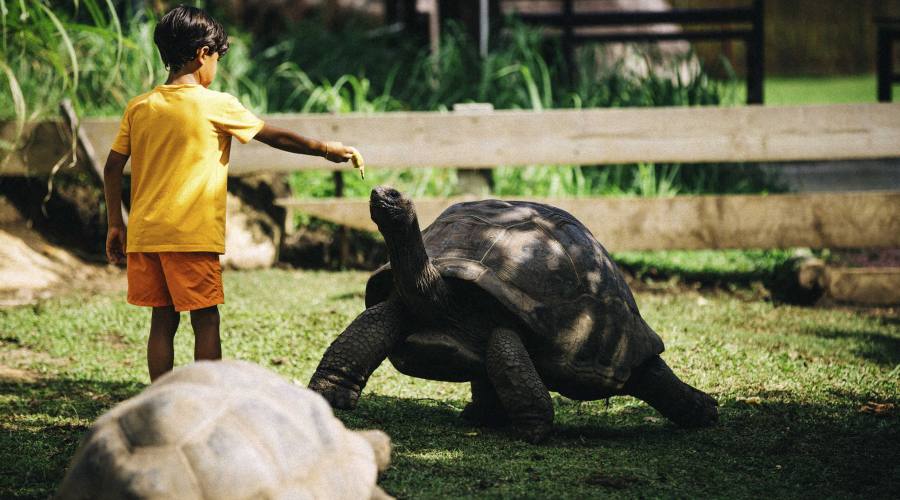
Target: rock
(251, 237)
(800, 280)
(30, 267)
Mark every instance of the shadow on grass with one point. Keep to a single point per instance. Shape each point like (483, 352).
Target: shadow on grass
(42, 424)
(780, 447)
(776, 448)
(870, 345)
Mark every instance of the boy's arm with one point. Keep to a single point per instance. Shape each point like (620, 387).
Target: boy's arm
(112, 187)
(291, 142)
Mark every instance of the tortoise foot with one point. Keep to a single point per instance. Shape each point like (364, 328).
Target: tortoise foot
(684, 405)
(532, 432)
(698, 409)
(483, 415)
(339, 396)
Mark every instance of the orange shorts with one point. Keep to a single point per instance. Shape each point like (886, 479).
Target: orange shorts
(187, 280)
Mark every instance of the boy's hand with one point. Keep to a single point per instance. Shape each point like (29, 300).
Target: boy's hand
(338, 153)
(115, 244)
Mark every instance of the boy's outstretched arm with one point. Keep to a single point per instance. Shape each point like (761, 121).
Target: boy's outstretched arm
(112, 187)
(286, 140)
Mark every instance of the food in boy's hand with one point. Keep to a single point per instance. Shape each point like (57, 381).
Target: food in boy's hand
(359, 163)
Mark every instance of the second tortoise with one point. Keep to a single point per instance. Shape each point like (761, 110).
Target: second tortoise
(517, 298)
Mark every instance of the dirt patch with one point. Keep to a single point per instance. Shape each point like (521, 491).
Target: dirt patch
(9, 374)
(32, 269)
(16, 361)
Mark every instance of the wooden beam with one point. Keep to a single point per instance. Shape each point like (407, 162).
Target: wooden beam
(868, 285)
(584, 137)
(45, 144)
(833, 220)
(596, 136)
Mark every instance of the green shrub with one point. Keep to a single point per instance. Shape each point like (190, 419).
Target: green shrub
(85, 52)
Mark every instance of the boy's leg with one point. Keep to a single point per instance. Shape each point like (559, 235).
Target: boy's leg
(195, 283)
(207, 344)
(160, 347)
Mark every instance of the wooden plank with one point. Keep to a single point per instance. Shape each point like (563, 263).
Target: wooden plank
(595, 136)
(45, 145)
(85, 148)
(585, 137)
(869, 286)
(833, 220)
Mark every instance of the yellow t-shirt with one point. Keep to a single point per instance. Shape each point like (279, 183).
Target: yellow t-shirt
(179, 140)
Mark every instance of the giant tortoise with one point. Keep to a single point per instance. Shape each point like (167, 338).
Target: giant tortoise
(225, 430)
(517, 298)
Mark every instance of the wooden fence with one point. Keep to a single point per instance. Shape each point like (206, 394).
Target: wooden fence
(608, 136)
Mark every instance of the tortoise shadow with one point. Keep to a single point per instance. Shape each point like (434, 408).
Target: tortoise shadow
(749, 441)
(439, 450)
(870, 345)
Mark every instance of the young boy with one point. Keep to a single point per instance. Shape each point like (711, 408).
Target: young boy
(178, 137)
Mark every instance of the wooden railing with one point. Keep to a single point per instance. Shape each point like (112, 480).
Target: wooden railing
(609, 136)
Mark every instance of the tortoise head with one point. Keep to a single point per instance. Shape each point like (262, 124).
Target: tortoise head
(391, 210)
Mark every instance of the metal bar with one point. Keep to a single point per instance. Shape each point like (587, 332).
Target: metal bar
(658, 37)
(756, 56)
(678, 16)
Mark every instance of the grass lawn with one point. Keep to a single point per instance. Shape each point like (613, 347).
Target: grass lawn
(791, 382)
(781, 91)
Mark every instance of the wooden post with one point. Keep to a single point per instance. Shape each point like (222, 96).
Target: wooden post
(885, 64)
(343, 235)
(568, 42)
(390, 12)
(95, 169)
(434, 28)
(484, 27)
(756, 56)
(474, 181)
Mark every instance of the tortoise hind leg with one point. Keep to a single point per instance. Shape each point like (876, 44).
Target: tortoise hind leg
(486, 408)
(519, 387)
(655, 383)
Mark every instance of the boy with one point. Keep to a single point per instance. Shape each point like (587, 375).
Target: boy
(178, 137)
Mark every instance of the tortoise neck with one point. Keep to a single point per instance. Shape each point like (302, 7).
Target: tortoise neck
(417, 279)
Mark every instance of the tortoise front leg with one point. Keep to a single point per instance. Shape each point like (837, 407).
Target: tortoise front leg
(518, 385)
(356, 353)
(486, 408)
(655, 383)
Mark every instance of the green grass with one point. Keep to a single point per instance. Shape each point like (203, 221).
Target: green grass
(783, 91)
(790, 382)
(731, 267)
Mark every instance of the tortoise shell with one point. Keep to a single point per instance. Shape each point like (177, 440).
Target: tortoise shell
(223, 429)
(546, 268)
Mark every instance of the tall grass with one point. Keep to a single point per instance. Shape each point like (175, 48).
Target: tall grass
(84, 51)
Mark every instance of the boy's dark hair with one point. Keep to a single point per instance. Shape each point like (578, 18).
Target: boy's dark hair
(182, 31)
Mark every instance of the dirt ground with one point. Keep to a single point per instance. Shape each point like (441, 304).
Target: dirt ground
(32, 269)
